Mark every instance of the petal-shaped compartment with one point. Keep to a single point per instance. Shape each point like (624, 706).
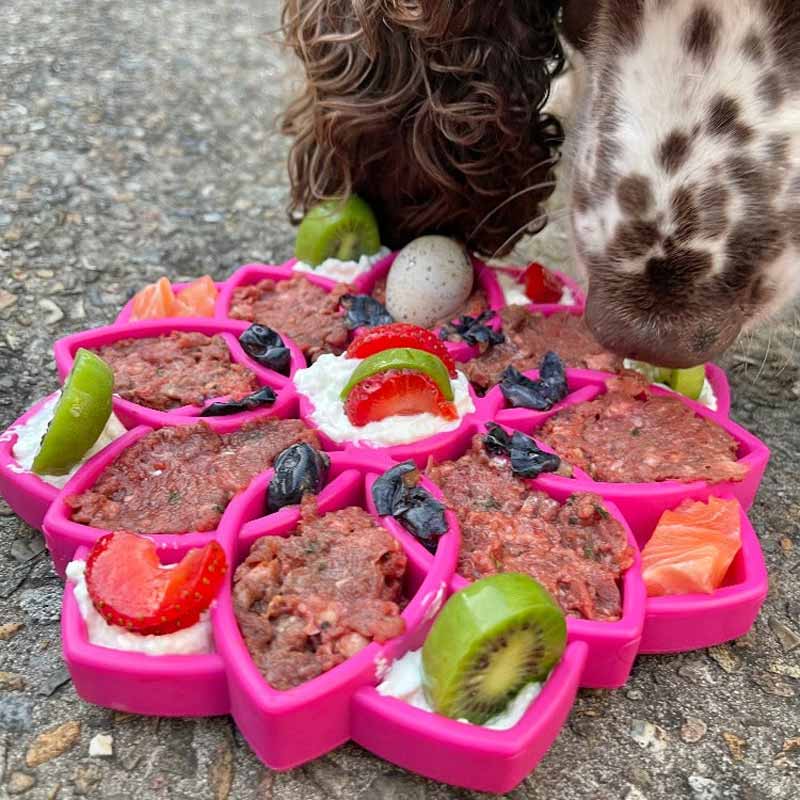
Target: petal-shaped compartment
(485, 371)
(643, 503)
(357, 280)
(469, 756)
(613, 645)
(512, 282)
(124, 315)
(135, 413)
(298, 307)
(485, 281)
(677, 623)
(137, 683)
(205, 467)
(319, 708)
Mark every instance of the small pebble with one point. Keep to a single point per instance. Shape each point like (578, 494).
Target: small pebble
(788, 638)
(703, 788)
(101, 745)
(19, 783)
(693, 730)
(52, 743)
(53, 312)
(649, 736)
(735, 744)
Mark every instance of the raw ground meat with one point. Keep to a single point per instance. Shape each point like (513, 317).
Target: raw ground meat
(310, 601)
(298, 308)
(474, 305)
(529, 337)
(180, 479)
(577, 550)
(177, 369)
(629, 435)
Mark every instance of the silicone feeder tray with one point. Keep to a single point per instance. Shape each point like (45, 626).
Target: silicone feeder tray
(612, 645)
(688, 622)
(124, 316)
(469, 756)
(287, 728)
(438, 445)
(484, 276)
(28, 495)
(567, 283)
(132, 414)
(643, 503)
(137, 683)
(63, 535)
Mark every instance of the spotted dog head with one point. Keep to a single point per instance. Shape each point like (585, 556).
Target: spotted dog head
(686, 182)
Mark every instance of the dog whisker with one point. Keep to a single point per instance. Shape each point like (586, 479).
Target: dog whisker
(533, 188)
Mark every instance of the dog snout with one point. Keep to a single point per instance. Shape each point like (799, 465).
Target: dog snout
(677, 342)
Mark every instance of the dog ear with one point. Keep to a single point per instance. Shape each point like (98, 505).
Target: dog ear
(577, 21)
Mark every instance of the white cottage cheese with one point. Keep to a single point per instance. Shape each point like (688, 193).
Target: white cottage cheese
(403, 681)
(194, 640)
(344, 271)
(322, 383)
(514, 292)
(30, 434)
(708, 396)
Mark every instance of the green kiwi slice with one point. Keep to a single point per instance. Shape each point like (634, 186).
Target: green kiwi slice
(688, 382)
(488, 642)
(343, 229)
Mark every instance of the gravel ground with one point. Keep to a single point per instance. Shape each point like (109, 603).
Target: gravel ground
(136, 138)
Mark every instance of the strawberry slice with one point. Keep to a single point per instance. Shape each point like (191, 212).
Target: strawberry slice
(129, 587)
(400, 334)
(396, 392)
(541, 285)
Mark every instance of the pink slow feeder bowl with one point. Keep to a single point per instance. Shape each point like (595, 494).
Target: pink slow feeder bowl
(272, 720)
(124, 316)
(578, 297)
(612, 646)
(643, 503)
(677, 623)
(137, 683)
(132, 414)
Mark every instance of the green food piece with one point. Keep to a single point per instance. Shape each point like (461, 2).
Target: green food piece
(402, 358)
(80, 415)
(488, 642)
(337, 229)
(688, 382)
(653, 373)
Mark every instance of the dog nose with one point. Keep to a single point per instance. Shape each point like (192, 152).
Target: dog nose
(675, 343)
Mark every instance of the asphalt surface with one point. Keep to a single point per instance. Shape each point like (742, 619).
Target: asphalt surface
(137, 138)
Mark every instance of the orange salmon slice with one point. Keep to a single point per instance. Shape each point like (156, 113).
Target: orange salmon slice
(197, 299)
(155, 301)
(692, 548)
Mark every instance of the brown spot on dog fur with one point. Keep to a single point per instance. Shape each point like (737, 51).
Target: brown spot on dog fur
(701, 33)
(784, 31)
(749, 178)
(635, 195)
(674, 151)
(624, 20)
(684, 214)
(753, 47)
(724, 119)
(633, 240)
(770, 90)
(674, 274)
(750, 244)
(713, 201)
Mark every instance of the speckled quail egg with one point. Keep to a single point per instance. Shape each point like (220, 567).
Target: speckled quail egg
(430, 278)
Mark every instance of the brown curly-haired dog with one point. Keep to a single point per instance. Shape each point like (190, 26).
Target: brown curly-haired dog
(429, 109)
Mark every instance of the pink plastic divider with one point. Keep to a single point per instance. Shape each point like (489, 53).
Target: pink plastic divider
(132, 414)
(464, 755)
(362, 279)
(27, 494)
(269, 719)
(579, 298)
(124, 316)
(674, 624)
(137, 683)
(643, 503)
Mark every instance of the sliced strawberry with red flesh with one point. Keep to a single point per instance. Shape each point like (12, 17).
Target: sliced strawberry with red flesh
(400, 334)
(541, 285)
(396, 392)
(130, 588)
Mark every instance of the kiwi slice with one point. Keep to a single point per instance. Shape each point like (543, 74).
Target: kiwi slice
(490, 640)
(688, 382)
(343, 229)
(653, 373)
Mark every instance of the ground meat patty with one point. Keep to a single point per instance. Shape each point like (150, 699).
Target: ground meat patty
(628, 435)
(177, 369)
(577, 550)
(474, 305)
(308, 602)
(529, 337)
(180, 479)
(298, 308)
